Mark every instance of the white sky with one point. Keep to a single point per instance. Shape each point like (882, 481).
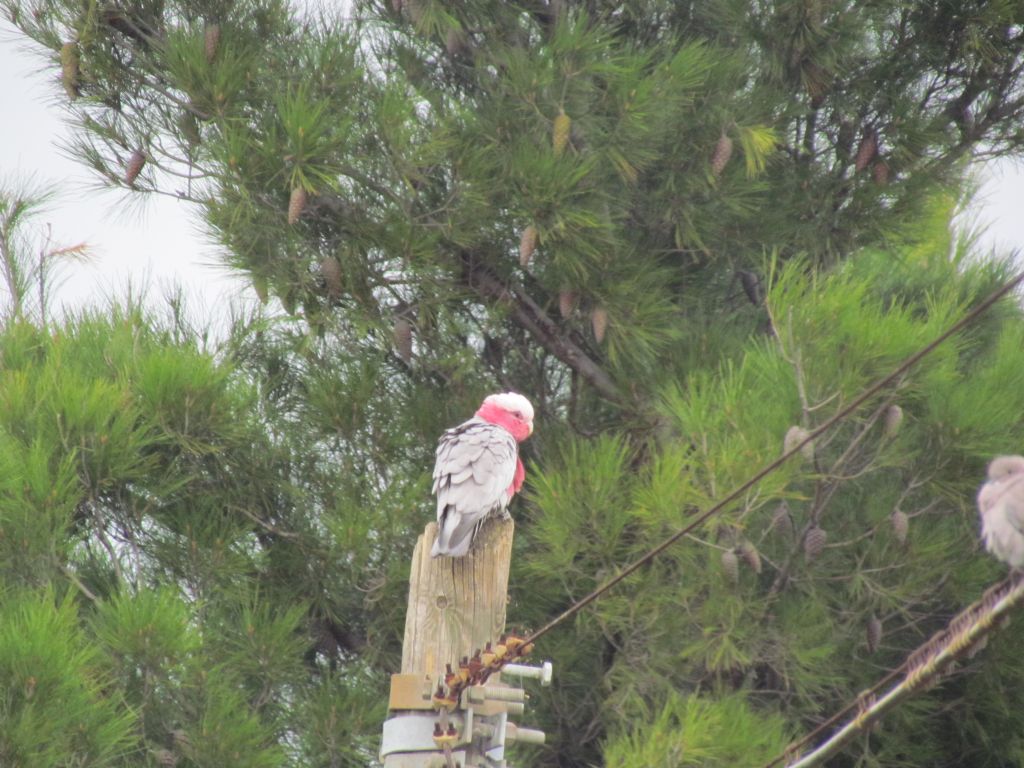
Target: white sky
(162, 244)
(153, 246)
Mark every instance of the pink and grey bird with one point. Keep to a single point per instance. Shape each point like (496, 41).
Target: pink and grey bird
(478, 470)
(1001, 503)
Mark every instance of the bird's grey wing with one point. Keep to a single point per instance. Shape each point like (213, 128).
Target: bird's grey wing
(457, 451)
(1012, 498)
(475, 465)
(987, 496)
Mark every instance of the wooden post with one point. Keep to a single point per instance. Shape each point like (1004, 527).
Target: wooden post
(456, 605)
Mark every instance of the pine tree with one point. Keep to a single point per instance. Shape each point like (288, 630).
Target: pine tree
(705, 178)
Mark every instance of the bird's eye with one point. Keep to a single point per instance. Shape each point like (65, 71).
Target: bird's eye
(517, 414)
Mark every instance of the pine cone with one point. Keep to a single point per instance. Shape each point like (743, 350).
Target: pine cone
(189, 127)
(720, 157)
(599, 322)
(69, 69)
(751, 555)
(296, 203)
(731, 566)
(402, 332)
(566, 302)
(893, 420)
(560, 133)
(900, 525)
(330, 268)
(794, 436)
(816, 81)
(134, 167)
(782, 520)
(211, 41)
(259, 284)
(867, 150)
(455, 42)
(415, 10)
(751, 286)
(814, 542)
(527, 245)
(874, 633)
(180, 738)
(880, 172)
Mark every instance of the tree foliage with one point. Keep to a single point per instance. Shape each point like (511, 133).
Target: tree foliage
(139, 602)
(682, 229)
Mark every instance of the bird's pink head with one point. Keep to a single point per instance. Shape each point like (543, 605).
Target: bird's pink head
(1003, 467)
(510, 411)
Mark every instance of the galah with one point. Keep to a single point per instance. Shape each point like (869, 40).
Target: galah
(478, 470)
(1001, 503)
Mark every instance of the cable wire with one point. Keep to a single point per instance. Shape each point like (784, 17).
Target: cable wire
(964, 634)
(841, 414)
(511, 648)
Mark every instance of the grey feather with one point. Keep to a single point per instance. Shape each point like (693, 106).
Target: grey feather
(1012, 498)
(475, 464)
(1001, 503)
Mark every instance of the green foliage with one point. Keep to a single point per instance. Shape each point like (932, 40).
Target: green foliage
(147, 630)
(793, 633)
(741, 216)
(344, 715)
(696, 731)
(588, 496)
(57, 704)
(29, 263)
(130, 462)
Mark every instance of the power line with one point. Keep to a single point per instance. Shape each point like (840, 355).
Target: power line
(965, 633)
(509, 649)
(843, 413)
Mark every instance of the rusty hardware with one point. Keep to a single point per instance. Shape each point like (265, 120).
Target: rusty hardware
(476, 670)
(447, 701)
(444, 736)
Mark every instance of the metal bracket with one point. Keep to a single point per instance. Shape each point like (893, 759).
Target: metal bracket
(411, 692)
(408, 739)
(414, 732)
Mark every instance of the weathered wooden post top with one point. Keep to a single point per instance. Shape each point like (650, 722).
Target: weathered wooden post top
(456, 606)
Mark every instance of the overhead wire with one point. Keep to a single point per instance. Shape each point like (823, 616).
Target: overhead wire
(964, 634)
(812, 435)
(511, 648)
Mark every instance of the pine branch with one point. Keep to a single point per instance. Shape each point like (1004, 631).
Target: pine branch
(73, 578)
(531, 317)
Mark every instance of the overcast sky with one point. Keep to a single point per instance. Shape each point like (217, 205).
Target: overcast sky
(156, 245)
(162, 243)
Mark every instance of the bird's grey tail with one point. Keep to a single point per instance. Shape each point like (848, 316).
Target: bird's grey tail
(438, 548)
(454, 536)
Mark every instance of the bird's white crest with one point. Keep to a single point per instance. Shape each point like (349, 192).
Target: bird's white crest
(512, 402)
(1003, 467)
(1001, 503)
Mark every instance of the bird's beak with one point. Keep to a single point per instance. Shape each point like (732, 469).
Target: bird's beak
(530, 425)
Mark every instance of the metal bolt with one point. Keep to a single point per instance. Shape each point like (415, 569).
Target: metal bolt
(542, 673)
(479, 694)
(525, 735)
